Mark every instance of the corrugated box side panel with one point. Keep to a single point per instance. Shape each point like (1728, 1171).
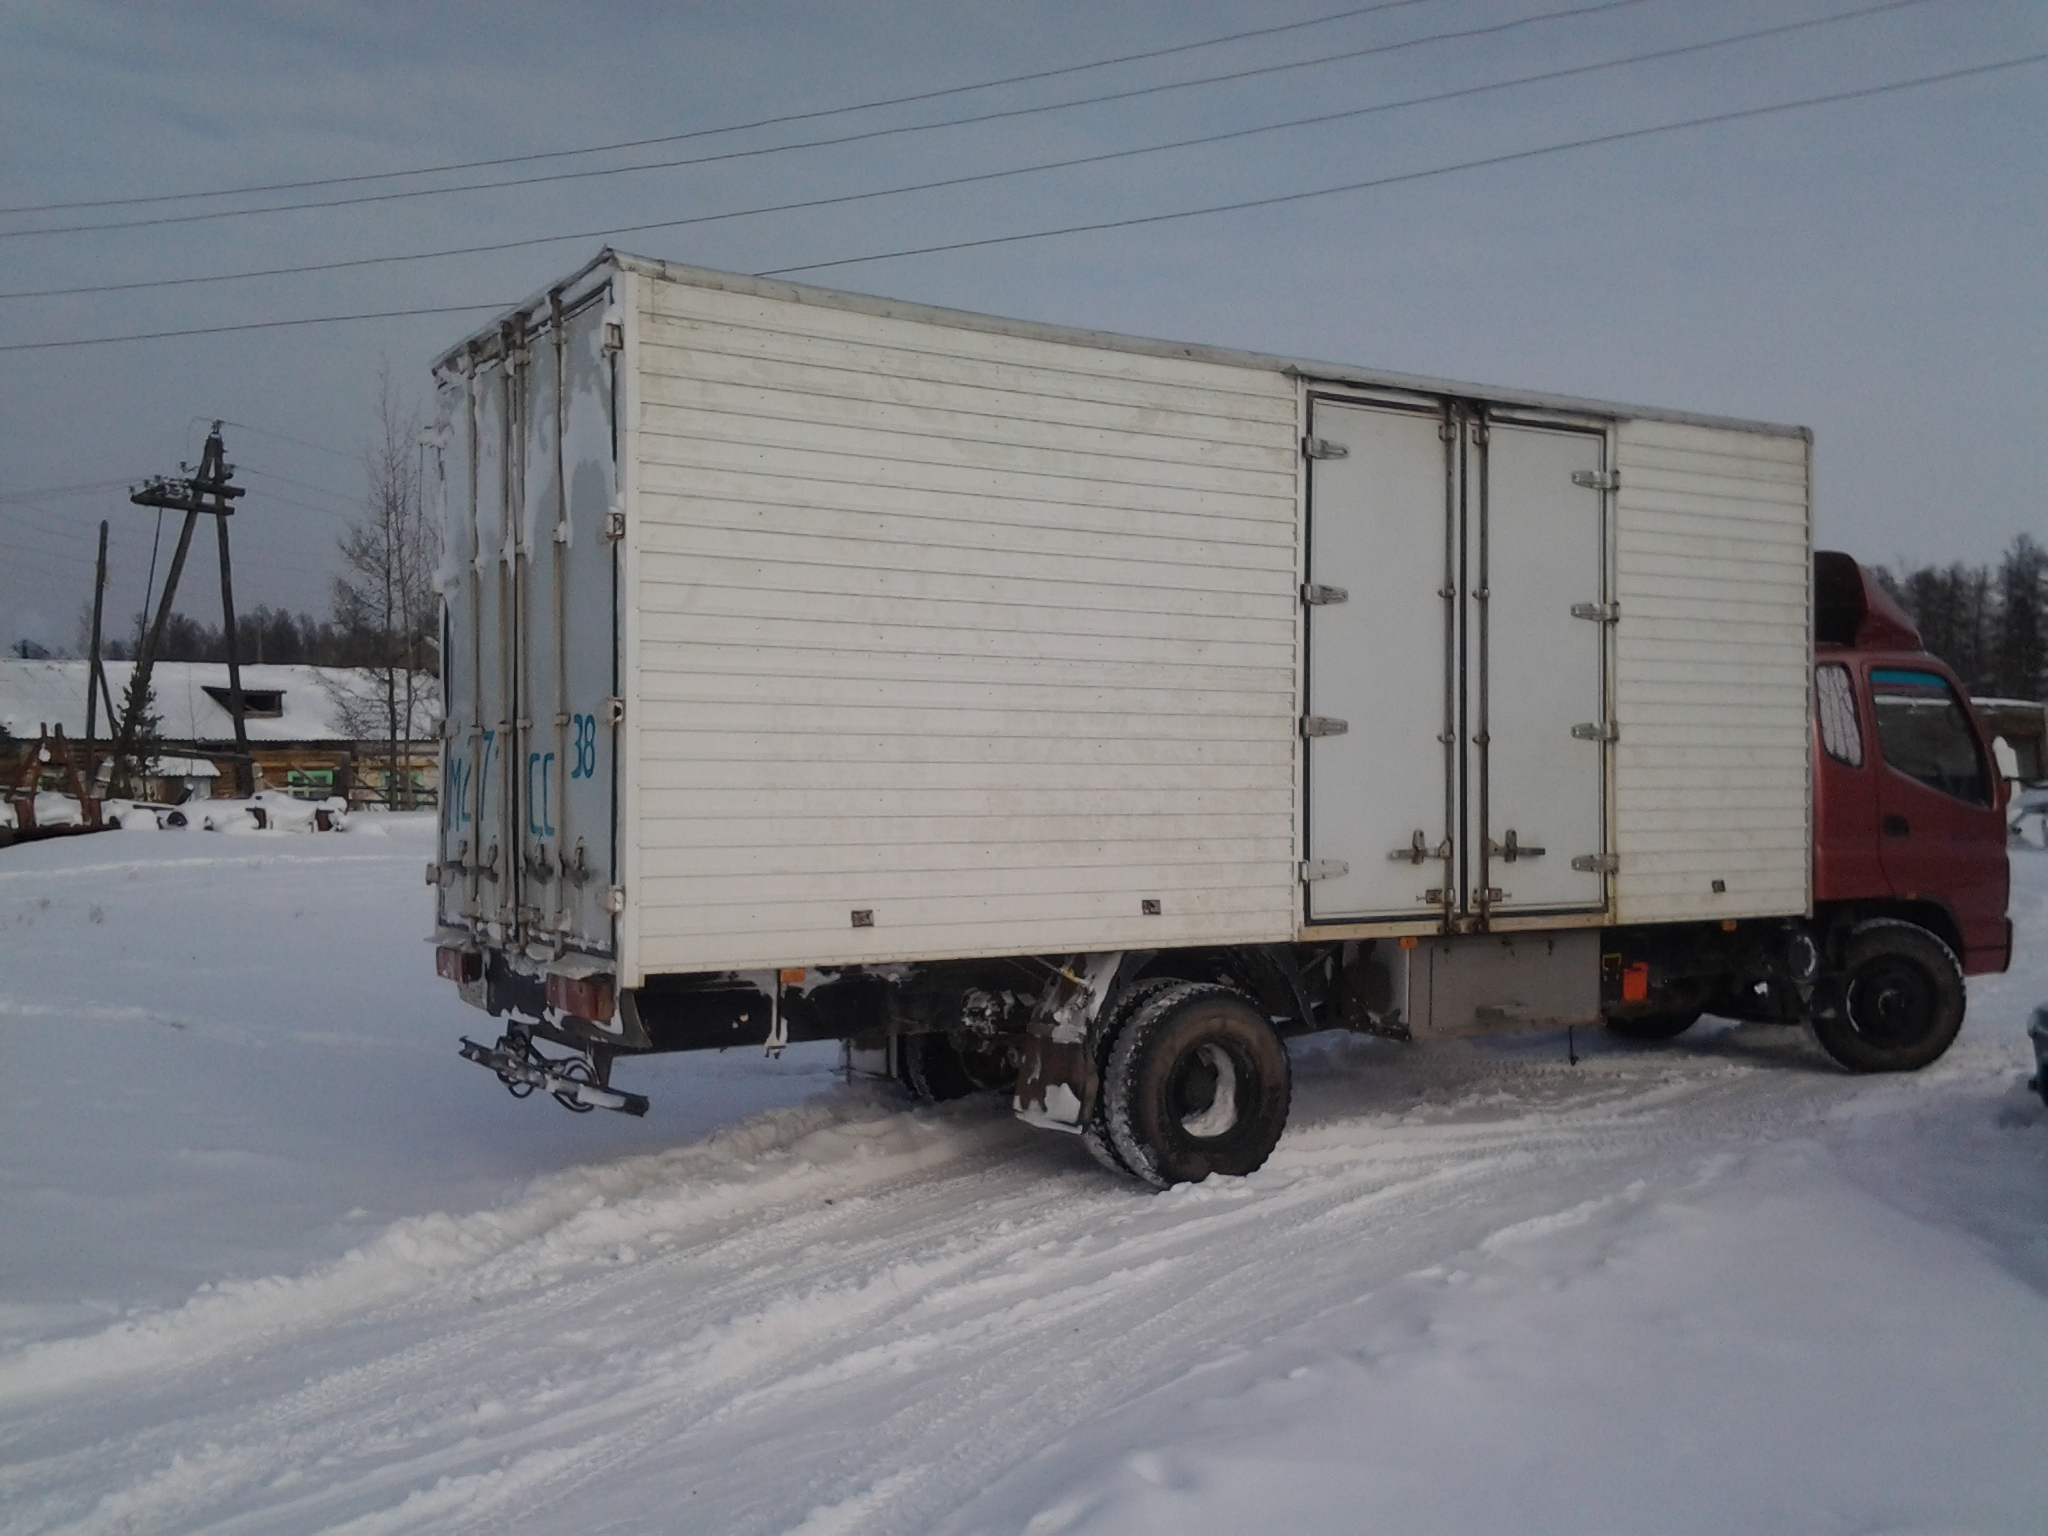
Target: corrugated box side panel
(1713, 566)
(992, 638)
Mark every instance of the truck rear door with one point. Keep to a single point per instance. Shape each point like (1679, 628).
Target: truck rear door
(567, 633)
(530, 668)
(477, 849)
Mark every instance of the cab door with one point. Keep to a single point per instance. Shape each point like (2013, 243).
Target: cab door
(1941, 833)
(1847, 862)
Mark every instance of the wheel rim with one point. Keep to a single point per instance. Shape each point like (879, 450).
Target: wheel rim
(1204, 1092)
(1891, 1004)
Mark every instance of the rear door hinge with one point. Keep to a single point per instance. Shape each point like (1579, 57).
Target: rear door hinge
(1599, 613)
(1596, 730)
(1323, 725)
(1323, 448)
(615, 524)
(1316, 596)
(615, 900)
(1597, 479)
(1324, 869)
(1597, 863)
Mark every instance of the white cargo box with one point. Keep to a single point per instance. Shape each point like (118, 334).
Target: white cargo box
(788, 627)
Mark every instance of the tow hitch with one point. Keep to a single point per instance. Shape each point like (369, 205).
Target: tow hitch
(572, 1081)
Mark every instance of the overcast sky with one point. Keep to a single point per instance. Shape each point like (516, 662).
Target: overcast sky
(1875, 269)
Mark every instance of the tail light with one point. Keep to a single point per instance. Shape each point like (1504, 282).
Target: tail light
(587, 997)
(458, 965)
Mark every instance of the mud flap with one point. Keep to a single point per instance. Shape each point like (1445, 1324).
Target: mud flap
(1056, 1076)
(1055, 1082)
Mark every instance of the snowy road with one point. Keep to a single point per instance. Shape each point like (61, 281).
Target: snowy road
(1710, 1286)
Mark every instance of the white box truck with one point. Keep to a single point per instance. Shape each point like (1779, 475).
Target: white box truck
(1078, 715)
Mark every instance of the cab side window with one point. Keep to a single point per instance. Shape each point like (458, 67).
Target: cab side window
(1834, 696)
(1924, 732)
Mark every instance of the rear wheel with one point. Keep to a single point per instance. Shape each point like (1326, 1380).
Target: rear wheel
(1654, 1026)
(1095, 1134)
(1197, 1084)
(936, 1069)
(1900, 999)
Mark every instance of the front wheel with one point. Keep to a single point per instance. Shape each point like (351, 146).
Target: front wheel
(1899, 999)
(1197, 1084)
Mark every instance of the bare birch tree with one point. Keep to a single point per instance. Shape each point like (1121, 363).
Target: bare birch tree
(385, 604)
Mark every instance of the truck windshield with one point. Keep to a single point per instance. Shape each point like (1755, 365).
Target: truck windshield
(1925, 734)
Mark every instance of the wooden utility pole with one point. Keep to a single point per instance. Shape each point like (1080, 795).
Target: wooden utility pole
(96, 677)
(205, 490)
(245, 766)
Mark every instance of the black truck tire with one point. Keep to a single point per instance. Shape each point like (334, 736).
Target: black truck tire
(934, 1068)
(1095, 1134)
(1198, 1083)
(1654, 1026)
(1899, 1000)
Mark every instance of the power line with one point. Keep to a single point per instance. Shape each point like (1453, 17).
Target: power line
(319, 490)
(1408, 176)
(67, 531)
(47, 554)
(1491, 29)
(1830, 98)
(256, 325)
(47, 570)
(55, 524)
(303, 506)
(65, 537)
(614, 231)
(700, 133)
(244, 426)
(71, 490)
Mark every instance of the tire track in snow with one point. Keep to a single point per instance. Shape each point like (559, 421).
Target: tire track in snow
(1006, 1421)
(988, 1295)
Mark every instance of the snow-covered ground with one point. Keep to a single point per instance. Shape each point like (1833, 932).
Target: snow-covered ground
(272, 1259)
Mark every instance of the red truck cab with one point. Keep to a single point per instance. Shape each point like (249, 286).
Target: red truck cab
(1909, 864)
(1909, 815)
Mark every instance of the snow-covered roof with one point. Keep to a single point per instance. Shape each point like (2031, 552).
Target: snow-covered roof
(312, 703)
(183, 768)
